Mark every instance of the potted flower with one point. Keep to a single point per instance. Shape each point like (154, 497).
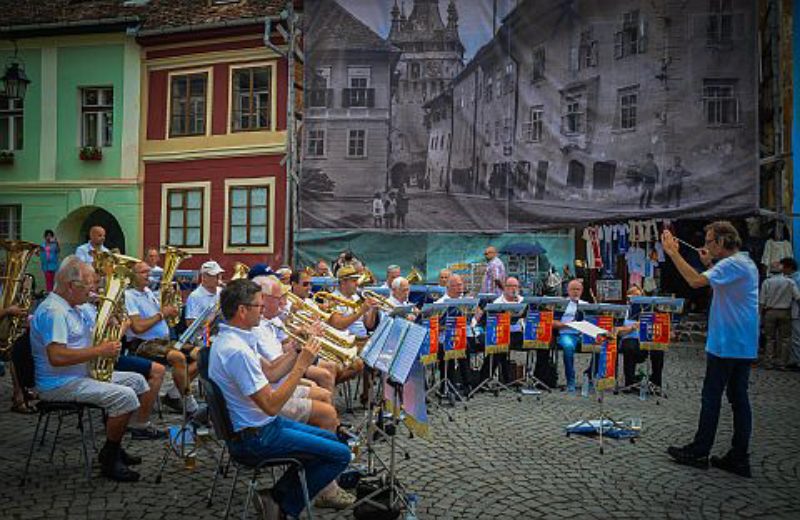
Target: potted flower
(6, 157)
(91, 153)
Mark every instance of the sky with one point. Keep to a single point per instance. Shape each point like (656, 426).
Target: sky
(474, 17)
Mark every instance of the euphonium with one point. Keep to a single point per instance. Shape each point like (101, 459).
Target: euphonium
(117, 271)
(334, 299)
(240, 271)
(415, 276)
(15, 291)
(170, 292)
(329, 350)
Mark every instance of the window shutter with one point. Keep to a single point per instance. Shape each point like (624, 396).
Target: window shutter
(371, 97)
(643, 33)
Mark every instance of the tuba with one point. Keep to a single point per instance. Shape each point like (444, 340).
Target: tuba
(117, 272)
(170, 291)
(240, 271)
(16, 291)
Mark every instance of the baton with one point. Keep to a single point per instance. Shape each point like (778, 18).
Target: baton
(687, 244)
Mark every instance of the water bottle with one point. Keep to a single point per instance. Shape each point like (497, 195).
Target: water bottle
(643, 388)
(585, 386)
(411, 511)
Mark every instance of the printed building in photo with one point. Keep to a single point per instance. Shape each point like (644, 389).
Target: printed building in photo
(213, 132)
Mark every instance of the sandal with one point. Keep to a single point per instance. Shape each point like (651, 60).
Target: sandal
(23, 408)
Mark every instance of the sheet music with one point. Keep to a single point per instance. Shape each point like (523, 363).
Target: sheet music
(590, 329)
(376, 342)
(393, 341)
(408, 353)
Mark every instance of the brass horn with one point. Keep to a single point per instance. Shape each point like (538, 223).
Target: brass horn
(330, 350)
(334, 299)
(415, 276)
(170, 292)
(383, 303)
(16, 290)
(240, 271)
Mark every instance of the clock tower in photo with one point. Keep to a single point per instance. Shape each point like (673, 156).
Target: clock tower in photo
(432, 55)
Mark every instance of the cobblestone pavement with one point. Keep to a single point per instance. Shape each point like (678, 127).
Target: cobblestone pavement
(500, 458)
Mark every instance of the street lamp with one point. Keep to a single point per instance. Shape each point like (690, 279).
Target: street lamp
(14, 81)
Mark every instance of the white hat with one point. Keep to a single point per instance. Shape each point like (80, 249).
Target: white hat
(211, 267)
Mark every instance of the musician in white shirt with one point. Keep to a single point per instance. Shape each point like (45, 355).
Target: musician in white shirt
(569, 338)
(206, 294)
(510, 295)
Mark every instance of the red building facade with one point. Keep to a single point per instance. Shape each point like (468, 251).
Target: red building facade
(212, 140)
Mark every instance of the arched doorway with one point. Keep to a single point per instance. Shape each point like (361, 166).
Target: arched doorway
(73, 230)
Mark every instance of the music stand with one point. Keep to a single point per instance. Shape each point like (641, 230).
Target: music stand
(453, 308)
(515, 311)
(529, 382)
(655, 312)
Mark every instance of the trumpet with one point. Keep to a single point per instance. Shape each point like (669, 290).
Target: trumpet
(329, 298)
(329, 349)
(383, 303)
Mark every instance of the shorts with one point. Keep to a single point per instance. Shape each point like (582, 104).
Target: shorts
(136, 364)
(298, 407)
(118, 397)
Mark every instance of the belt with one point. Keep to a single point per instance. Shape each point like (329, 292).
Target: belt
(778, 309)
(244, 433)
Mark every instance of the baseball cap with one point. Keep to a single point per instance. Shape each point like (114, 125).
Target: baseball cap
(259, 270)
(211, 267)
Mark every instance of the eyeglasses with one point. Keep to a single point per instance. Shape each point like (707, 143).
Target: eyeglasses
(256, 305)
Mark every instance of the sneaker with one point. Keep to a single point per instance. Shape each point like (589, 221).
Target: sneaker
(737, 466)
(687, 457)
(339, 500)
(147, 433)
(173, 403)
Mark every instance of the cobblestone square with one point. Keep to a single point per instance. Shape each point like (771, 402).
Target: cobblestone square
(500, 458)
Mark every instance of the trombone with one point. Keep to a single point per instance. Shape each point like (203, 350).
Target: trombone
(329, 298)
(383, 302)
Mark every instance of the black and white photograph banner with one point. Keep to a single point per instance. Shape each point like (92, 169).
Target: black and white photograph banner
(517, 115)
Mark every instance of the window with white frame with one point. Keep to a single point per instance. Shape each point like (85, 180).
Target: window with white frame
(720, 102)
(185, 217)
(11, 121)
(188, 97)
(627, 101)
(315, 146)
(252, 98)
(532, 128)
(97, 116)
(248, 215)
(632, 39)
(356, 143)
(320, 95)
(537, 70)
(720, 22)
(10, 221)
(358, 92)
(573, 118)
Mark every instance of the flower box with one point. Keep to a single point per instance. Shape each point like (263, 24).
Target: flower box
(91, 153)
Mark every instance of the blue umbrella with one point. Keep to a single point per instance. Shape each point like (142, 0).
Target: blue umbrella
(524, 249)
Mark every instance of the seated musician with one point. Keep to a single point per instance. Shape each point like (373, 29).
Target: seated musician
(18, 401)
(510, 295)
(152, 257)
(632, 354)
(300, 283)
(567, 338)
(322, 269)
(206, 294)
(149, 336)
(392, 272)
(308, 404)
(455, 290)
(253, 405)
(97, 237)
(61, 343)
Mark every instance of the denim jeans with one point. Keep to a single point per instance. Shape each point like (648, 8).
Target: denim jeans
(722, 373)
(569, 342)
(322, 455)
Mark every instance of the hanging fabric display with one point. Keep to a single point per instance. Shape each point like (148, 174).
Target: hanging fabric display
(654, 330)
(430, 348)
(498, 332)
(538, 329)
(455, 337)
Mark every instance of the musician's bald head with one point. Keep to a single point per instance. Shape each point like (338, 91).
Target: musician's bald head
(97, 236)
(74, 280)
(444, 275)
(142, 275)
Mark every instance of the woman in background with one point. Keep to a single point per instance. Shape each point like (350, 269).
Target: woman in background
(48, 254)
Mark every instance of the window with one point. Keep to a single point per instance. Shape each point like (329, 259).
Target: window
(587, 51)
(252, 105)
(575, 174)
(632, 38)
(499, 81)
(537, 72)
(188, 95)
(573, 120)
(627, 99)
(319, 95)
(487, 134)
(720, 21)
(488, 88)
(97, 115)
(507, 130)
(185, 217)
(415, 70)
(248, 216)
(720, 102)
(10, 123)
(508, 79)
(316, 143)
(358, 93)
(497, 132)
(532, 129)
(11, 222)
(357, 143)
